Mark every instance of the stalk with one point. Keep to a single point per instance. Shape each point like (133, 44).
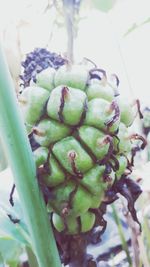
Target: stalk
(24, 172)
(78, 253)
(121, 234)
(134, 239)
(69, 18)
(146, 235)
(31, 258)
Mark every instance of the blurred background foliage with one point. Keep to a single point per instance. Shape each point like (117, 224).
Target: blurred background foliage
(113, 34)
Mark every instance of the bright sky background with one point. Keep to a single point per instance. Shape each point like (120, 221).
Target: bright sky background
(100, 38)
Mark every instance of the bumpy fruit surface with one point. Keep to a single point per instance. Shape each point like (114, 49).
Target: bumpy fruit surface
(46, 78)
(127, 113)
(83, 144)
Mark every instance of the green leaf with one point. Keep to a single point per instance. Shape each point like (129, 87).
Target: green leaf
(131, 29)
(146, 21)
(121, 234)
(136, 26)
(10, 251)
(104, 5)
(3, 161)
(16, 231)
(1, 260)
(24, 172)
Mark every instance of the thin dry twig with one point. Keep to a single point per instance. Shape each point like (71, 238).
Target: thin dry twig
(135, 234)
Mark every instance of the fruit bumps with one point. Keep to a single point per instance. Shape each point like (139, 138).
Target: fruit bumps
(83, 146)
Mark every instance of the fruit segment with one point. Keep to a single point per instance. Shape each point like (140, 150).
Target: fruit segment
(123, 163)
(122, 143)
(74, 76)
(66, 105)
(93, 180)
(84, 223)
(87, 221)
(70, 199)
(45, 79)
(127, 113)
(32, 102)
(98, 142)
(103, 115)
(72, 156)
(55, 174)
(40, 156)
(48, 131)
(98, 90)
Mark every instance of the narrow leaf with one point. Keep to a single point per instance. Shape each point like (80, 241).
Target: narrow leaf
(24, 172)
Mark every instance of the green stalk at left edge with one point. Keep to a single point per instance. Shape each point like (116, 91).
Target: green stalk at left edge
(24, 172)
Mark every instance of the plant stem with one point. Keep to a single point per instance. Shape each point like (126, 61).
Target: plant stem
(24, 172)
(31, 258)
(69, 18)
(77, 251)
(142, 250)
(122, 237)
(146, 233)
(134, 239)
(114, 35)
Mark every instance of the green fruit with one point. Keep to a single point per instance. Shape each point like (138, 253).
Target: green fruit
(60, 198)
(94, 182)
(80, 203)
(32, 102)
(99, 114)
(74, 76)
(71, 224)
(45, 79)
(87, 221)
(82, 131)
(96, 201)
(95, 140)
(48, 131)
(40, 156)
(98, 90)
(55, 176)
(66, 105)
(123, 143)
(126, 111)
(72, 156)
(58, 222)
(123, 162)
